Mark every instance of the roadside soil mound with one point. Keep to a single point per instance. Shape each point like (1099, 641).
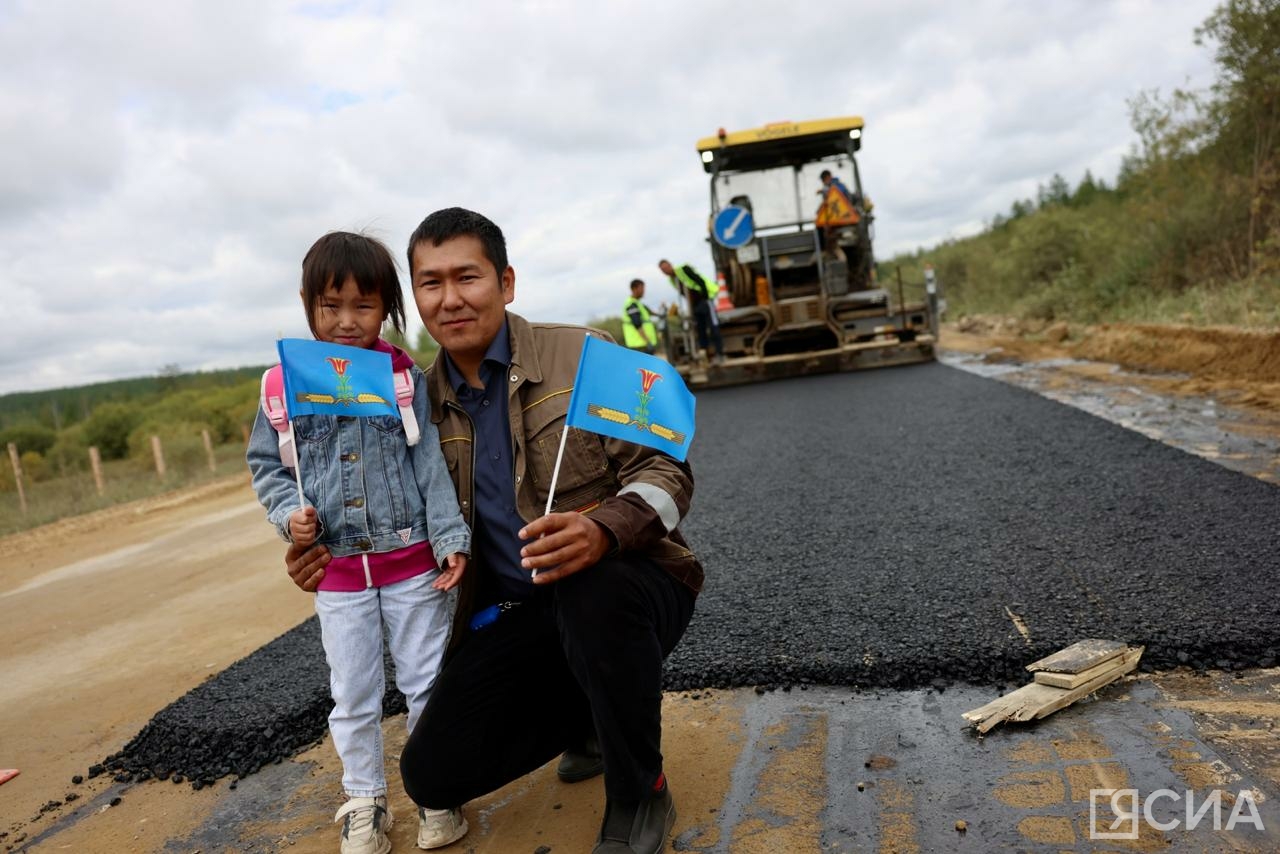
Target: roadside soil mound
(1241, 364)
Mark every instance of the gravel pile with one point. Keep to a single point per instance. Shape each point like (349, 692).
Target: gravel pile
(878, 529)
(269, 705)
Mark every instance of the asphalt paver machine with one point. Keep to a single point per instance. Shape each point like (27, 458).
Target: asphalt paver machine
(793, 252)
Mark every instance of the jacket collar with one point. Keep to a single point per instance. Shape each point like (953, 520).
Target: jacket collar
(400, 360)
(524, 366)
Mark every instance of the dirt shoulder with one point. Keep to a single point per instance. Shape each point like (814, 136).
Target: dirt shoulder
(1239, 366)
(107, 618)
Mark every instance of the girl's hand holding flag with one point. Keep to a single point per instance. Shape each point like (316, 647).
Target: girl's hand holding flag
(302, 526)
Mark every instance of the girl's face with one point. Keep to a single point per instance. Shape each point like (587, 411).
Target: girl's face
(346, 316)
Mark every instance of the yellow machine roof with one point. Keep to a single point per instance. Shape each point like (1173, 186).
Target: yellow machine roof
(780, 130)
(781, 144)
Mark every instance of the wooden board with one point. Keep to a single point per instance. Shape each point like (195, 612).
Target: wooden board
(1033, 700)
(1080, 656)
(1075, 680)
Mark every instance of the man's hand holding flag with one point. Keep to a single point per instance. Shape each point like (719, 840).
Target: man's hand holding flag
(629, 395)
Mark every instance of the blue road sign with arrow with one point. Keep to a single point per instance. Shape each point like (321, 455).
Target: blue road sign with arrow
(733, 227)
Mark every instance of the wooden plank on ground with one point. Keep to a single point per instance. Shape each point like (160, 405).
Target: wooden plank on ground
(1129, 662)
(1033, 700)
(1081, 655)
(1075, 680)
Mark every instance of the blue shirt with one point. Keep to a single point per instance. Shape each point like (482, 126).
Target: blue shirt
(841, 187)
(497, 522)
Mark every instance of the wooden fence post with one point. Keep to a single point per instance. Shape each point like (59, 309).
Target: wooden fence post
(95, 463)
(159, 455)
(208, 449)
(17, 476)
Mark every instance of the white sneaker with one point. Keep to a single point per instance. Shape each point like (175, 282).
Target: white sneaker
(366, 825)
(438, 828)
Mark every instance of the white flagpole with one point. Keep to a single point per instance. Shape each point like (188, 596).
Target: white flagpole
(297, 466)
(555, 475)
(293, 439)
(555, 472)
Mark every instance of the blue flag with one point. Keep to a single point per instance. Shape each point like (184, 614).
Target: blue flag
(631, 396)
(331, 379)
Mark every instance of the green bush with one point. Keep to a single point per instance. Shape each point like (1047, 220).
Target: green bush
(28, 437)
(108, 428)
(70, 453)
(34, 467)
(181, 444)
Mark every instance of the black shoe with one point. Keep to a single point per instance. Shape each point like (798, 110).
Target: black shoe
(637, 828)
(581, 763)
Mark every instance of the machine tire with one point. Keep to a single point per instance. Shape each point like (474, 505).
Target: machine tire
(738, 280)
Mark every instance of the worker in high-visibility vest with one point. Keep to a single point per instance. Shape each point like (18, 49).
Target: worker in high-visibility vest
(638, 329)
(701, 293)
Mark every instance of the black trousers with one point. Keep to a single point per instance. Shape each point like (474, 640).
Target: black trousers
(707, 327)
(586, 652)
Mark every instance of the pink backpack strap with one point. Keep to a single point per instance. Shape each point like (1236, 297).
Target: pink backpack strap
(404, 400)
(273, 406)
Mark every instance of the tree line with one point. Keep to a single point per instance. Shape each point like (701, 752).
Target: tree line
(53, 430)
(1188, 231)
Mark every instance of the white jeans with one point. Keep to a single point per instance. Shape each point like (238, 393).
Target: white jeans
(416, 619)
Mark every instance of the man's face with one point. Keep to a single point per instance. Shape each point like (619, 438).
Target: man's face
(461, 297)
(637, 291)
(665, 267)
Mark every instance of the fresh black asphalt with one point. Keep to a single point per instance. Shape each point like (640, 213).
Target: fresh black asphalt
(878, 529)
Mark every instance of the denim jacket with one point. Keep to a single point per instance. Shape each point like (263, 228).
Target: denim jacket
(371, 490)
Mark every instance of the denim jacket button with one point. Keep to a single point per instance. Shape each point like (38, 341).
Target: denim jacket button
(356, 502)
(364, 545)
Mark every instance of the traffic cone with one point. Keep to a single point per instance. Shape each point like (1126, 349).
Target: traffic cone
(723, 303)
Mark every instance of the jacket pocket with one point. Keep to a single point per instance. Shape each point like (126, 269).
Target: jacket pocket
(584, 458)
(386, 424)
(314, 428)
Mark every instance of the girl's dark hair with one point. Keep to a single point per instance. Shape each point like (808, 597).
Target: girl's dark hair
(342, 254)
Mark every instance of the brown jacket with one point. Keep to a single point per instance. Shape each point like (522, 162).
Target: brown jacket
(637, 493)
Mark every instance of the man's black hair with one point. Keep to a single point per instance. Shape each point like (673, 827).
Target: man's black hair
(825, 173)
(449, 223)
(635, 282)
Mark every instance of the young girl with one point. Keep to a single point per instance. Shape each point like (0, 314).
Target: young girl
(387, 511)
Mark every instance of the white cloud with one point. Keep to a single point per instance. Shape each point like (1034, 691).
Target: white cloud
(167, 165)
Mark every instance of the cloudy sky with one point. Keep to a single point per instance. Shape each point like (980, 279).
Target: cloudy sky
(167, 164)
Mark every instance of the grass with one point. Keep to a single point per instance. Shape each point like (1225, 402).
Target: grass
(1251, 304)
(123, 481)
